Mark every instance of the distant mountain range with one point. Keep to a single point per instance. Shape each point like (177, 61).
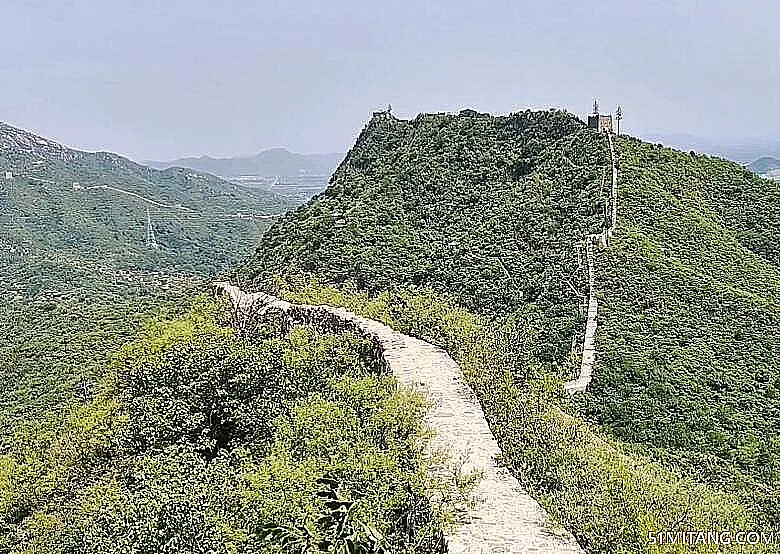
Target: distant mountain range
(97, 206)
(738, 150)
(294, 177)
(767, 166)
(268, 163)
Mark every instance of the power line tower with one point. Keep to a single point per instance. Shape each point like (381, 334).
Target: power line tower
(618, 117)
(151, 242)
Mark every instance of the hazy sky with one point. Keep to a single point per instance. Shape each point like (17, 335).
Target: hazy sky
(166, 78)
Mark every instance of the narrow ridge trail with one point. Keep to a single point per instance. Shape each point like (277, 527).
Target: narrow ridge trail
(580, 384)
(175, 206)
(504, 518)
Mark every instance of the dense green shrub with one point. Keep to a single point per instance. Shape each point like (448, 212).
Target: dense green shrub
(690, 307)
(199, 440)
(608, 494)
(488, 213)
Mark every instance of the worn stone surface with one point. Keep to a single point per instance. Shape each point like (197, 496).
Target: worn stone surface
(504, 518)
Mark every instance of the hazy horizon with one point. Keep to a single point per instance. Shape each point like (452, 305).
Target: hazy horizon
(729, 148)
(246, 155)
(195, 78)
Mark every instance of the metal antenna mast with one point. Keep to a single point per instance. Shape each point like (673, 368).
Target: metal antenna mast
(596, 106)
(618, 117)
(151, 242)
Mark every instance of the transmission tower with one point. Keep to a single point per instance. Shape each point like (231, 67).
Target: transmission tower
(151, 242)
(618, 117)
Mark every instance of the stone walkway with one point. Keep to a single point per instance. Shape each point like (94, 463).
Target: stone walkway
(580, 384)
(504, 519)
(589, 343)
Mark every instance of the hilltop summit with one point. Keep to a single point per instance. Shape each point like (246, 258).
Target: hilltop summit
(490, 212)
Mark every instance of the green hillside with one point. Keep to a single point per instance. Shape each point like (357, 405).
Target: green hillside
(465, 230)
(77, 274)
(690, 294)
(60, 320)
(136, 416)
(94, 206)
(487, 210)
(203, 439)
(485, 213)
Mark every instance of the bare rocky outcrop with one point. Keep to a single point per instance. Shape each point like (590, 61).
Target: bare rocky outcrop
(504, 518)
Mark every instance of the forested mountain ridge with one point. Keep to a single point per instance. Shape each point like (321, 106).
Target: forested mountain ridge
(77, 270)
(95, 204)
(690, 309)
(487, 209)
(490, 213)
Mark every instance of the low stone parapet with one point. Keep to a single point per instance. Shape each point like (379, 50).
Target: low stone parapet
(503, 518)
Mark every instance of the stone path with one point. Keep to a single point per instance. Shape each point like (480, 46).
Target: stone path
(589, 343)
(580, 384)
(504, 519)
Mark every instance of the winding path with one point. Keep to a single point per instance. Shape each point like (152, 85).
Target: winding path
(239, 215)
(504, 518)
(580, 384)
(136, 195)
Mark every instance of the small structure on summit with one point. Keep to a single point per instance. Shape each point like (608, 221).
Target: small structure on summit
(387, 114)
(599, 122)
